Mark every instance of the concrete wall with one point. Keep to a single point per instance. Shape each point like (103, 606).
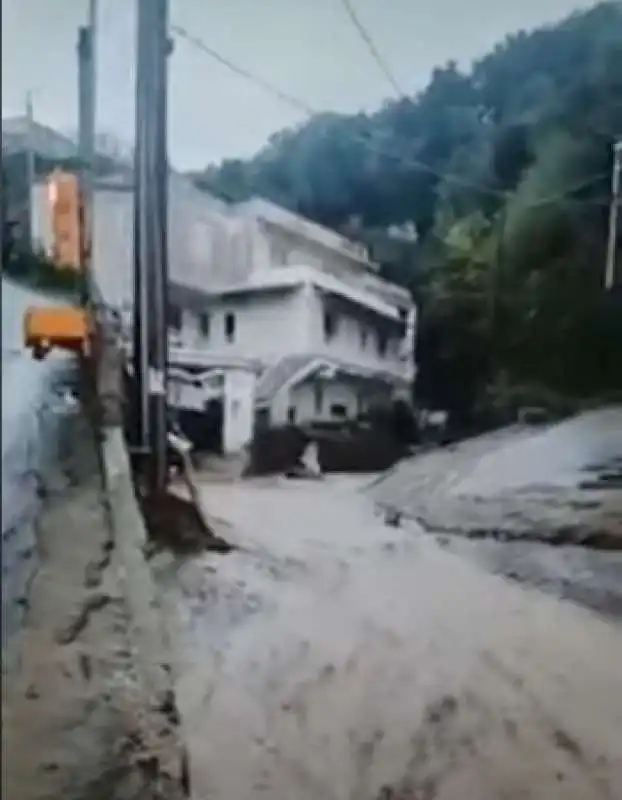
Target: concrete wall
(356, 339)
(239, 410)
(267, 326)
(302, 230)
(314, 399)
(281, 238)
(270, 326)
(208, 246)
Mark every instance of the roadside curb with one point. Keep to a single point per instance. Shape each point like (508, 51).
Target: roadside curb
(150, 639)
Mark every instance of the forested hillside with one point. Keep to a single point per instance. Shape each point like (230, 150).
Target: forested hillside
(504, 173)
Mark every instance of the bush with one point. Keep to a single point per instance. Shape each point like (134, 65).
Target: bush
(35, 271)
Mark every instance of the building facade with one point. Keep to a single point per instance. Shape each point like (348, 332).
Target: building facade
(324, 335)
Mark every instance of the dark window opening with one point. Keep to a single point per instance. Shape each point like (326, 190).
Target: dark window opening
(204, 321)
(262, 418)
(330, 325)
(229, 326)
(382, 343)
(318, 397)
(363, 337)
(174, 317)
(291, 415)
(338, 410)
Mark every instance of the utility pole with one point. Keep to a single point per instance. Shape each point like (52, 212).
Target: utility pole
(150, 238)
(614, 210)
(87, 82)
(27, 234)
(86, 140)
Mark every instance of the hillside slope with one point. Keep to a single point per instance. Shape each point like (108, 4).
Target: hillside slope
(504, 172)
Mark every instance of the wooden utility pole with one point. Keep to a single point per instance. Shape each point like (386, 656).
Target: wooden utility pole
(150, 239)
(86, 144)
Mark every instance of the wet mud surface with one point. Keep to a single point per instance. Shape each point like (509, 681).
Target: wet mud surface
(333, 656)
(543, 508)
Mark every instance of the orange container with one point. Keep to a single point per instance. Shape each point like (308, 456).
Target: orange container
(65, 202)
(50, 326)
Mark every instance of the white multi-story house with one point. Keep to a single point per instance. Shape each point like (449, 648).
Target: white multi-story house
(326, 336)
(273, 317)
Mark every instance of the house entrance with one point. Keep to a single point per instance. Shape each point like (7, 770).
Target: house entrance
(204, 428)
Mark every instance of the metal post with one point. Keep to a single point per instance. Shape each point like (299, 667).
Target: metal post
(614, 209)
(86, 150)
(150, 245)
(30, 173)
(87, 38)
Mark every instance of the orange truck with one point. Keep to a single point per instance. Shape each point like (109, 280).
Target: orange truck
(49, 327)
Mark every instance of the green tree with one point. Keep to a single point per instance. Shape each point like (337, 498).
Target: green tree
(504, 173)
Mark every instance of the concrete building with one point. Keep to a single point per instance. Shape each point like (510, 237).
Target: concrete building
(308, 315)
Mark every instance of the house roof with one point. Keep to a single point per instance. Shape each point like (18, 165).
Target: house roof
(297, 225)
(18, 133)
(279, 375)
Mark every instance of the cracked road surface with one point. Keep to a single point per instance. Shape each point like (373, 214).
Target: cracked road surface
(334, 658)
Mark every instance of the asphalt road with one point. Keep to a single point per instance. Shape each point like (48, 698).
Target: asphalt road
(30, 417)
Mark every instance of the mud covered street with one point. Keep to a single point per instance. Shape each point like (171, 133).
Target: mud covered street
(335, 657)
(542, 506)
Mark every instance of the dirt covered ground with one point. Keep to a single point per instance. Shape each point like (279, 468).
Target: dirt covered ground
(540, 506)
(332, 657)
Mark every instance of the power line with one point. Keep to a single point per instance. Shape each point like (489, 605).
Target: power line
(371, 46)
(243, 73)
(410, 163)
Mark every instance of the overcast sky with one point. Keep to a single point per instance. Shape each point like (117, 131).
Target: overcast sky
(307, 47)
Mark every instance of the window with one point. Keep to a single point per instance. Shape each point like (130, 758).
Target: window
(262, 418)
(229, 326)
(203, 321)
(382, 343)
(318, 397)
(175, 317)
(330, 325)
(291, 415)
(338, 410)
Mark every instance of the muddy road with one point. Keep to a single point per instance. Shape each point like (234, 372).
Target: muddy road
(335, 658)
(542, 506)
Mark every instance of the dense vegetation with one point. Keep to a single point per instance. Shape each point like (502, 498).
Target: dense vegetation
(503, 174)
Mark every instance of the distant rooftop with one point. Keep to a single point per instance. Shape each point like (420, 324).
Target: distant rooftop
(45, 141)
(115, 157)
